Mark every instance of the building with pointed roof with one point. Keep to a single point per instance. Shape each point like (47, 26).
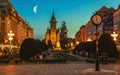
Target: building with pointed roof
(52, 34)
(105, 27)
(118, 7)
(10, 20)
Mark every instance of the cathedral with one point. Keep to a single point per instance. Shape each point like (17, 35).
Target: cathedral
(53, 34)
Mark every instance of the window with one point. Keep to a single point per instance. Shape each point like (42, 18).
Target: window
(2, 27)
(3, 4)
(2, 17)
(53, 38)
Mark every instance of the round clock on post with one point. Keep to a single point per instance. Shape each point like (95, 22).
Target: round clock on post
(97, 20)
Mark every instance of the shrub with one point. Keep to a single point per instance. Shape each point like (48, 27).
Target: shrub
(80, 47)
(107, 44)
(29, 48)
(90, 60)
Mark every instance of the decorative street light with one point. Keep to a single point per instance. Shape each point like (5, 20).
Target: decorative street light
(114, 35)
(10, 37)
(96, 20)
(89, 39)
(77, 42)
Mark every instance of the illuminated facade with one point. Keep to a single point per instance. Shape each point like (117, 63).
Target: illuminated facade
(107, 23)
(80, 36)
(117, 22)
(77, 37)
(83, 33)
(90, 31)
(87, 32)
(10, 20)
(53, 33)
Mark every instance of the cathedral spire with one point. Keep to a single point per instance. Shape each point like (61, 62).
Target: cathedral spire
(53, 11)
(53, 19)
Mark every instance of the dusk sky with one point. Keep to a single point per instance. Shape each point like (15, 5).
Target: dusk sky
(74, 12)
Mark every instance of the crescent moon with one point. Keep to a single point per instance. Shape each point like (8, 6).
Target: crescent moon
(35, 9)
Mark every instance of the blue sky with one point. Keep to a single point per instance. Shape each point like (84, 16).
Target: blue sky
(74, 12)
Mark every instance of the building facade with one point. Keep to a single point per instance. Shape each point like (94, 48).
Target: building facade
(116, 20)
(107, 23)
(53, 34)
(83, 33)
(90, 31)
(77, 37)
(105, 27)
(87, 32)
(80, 36)
(10, 20)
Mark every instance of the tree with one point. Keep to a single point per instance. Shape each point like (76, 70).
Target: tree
(42, 45)
(29, 48)
(45, 46)
(80, 47)
(64, 30)
(92, 49)
(107, 44)
(50, 44)
(63, 36)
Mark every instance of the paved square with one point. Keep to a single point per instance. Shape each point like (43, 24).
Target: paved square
(51, 69)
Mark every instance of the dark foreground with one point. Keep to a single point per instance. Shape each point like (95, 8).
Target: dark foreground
(52, 69)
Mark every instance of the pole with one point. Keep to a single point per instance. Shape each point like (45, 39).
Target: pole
(10, 47)
(10, 35)
(97, 52)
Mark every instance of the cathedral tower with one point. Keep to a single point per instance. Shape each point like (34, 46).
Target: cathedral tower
(53, 23)
(53, 33)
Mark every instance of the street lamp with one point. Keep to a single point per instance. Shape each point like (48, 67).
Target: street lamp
(96, 20)
(77, 43)
(89, 39)
(114, 35)
(10, 37)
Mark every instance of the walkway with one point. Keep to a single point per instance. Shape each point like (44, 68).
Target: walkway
(51, 69)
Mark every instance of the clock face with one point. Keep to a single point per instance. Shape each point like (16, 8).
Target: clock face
(96, 19)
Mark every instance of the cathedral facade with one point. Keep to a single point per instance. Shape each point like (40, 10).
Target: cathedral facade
(52, 33)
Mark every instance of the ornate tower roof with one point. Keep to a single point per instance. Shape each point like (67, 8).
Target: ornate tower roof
(7, 8)
(53, 19)
(104, 8)
(48, 30)
(118, 6)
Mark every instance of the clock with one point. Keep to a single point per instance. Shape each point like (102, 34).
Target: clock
(96, 19)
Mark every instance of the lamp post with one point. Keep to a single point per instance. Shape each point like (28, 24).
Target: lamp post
(96, 20)
(114, 35)
(77, 43)
(10, 37)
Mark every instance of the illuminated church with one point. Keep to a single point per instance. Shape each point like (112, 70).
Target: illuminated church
(53, 34)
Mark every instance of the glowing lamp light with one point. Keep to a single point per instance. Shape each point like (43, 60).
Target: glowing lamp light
(114, 35)
(89, 39)
(71, 44)
(58, 44)
(77, 42)
(10, 36)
